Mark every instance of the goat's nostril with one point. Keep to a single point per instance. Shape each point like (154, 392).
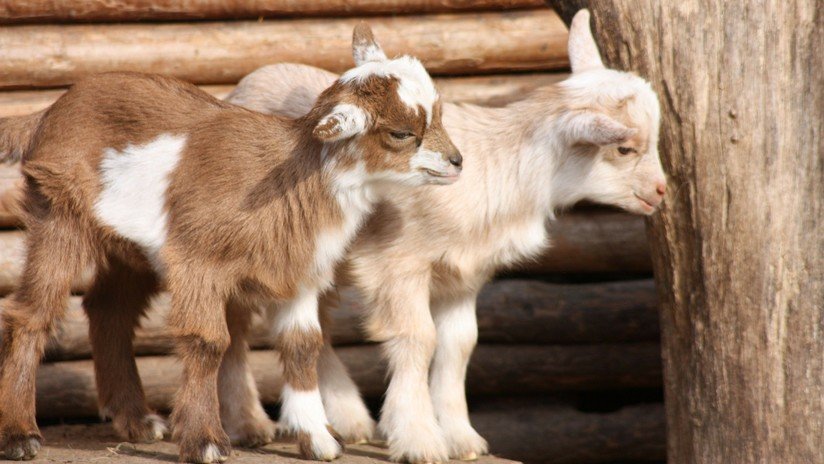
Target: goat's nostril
(456, 160)
(661, 188)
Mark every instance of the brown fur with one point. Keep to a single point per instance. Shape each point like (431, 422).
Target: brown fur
(299, 351)
(244, 204)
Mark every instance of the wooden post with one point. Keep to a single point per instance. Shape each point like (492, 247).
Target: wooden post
(738, 249)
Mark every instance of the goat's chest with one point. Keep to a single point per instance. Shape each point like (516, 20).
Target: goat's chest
(496, 247)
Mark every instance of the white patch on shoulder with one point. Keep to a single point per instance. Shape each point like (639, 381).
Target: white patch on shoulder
(133, 196)
(415, 86)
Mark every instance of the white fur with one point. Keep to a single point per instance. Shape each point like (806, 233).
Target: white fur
(428, 159)
(298, 314)
(211, 453)
(415, 86)
(457, 336)
(351, 120)
(344, 407)
(302, 411)
(133, 197)
(356, 198)
(159, 429)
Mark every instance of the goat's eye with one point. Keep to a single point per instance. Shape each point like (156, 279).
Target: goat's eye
(626, 150)
(401, 135)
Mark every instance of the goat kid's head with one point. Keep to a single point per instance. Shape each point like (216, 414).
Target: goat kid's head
(610, 120)
(389, 114)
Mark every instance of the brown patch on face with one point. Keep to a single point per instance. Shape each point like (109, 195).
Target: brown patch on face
(299, 352)
(436, 138)
(395, 135)
(398, 131)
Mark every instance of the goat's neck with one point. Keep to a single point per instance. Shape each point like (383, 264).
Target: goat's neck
(525, 158)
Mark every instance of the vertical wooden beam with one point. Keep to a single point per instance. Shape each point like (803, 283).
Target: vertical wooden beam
(738, 249)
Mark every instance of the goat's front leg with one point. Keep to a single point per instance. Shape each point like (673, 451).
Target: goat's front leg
(400, 315)
(343, 403)
(457, 328)
(300, 341)
(197, 319)
(241, 413)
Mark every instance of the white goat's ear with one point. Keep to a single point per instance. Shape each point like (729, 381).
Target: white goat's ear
(364, 47)
(583, 52)
(597, 129)
(344, 121)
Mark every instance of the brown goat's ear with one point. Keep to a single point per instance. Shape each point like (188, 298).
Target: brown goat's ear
(364, 46)
(583, 51)
(344, 121)
(597, 129)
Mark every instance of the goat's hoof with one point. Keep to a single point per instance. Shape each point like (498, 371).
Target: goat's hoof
(206, 453)
(351, 420)
(149, 428)
(422, 443)
(253, 434)
(464, 442)
(21, 447)
(320, 446)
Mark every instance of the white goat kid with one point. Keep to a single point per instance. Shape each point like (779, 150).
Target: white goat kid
(421, 260)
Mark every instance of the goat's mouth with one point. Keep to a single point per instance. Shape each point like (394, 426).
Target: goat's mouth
(442, 177)
(646, 206)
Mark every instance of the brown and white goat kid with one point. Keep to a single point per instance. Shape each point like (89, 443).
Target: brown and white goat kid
(592, 137)
(158, 184)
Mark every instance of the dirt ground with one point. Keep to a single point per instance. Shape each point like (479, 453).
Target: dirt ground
(97, 443)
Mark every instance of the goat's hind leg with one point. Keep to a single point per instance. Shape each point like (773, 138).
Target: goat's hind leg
(241, 413)
(56, 254)
(115, 303)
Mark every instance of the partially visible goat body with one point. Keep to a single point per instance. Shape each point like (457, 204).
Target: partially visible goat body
(157, 184)
(421, 259)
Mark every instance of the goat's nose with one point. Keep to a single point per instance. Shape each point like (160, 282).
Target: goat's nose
(456, 160)
(661, 188)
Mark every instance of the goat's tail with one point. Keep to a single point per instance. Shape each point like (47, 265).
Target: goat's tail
(17, 134)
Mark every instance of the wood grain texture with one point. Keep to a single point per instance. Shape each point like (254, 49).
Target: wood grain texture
(509, 312)
(223, 52)
(496, 90)
(48, 11)
(66, 389)
(738, 248)
(594, 240)
(515, 428)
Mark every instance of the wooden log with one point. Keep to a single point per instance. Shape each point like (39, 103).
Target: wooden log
(594, 240)
(222, 53)
(583, 244)
(737, 248)
(49, 11)
(66, 389)
(515, 428)
(496, 90)
(509, 311)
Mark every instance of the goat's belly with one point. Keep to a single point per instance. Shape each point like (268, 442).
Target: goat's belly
(133, 196)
